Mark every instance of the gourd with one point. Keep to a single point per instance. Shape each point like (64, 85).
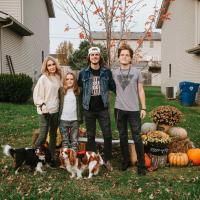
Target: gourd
(194, 156)
(133, 155)
(147, 127)
(178, 159)
(178, 132)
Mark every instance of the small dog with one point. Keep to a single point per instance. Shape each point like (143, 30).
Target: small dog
(33, 157)
(76, 165)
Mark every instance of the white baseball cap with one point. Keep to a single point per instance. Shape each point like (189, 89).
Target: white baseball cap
(94, 50)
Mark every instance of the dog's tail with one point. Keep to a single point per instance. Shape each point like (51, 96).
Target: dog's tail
(8, 150)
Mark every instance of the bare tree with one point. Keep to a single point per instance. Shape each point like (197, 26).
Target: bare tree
(110, 15)
(63, 52)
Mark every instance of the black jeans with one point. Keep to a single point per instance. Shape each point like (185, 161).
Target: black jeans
(103, 118)
(133, 118)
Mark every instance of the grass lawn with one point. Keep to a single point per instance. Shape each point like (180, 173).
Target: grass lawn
(16, 125)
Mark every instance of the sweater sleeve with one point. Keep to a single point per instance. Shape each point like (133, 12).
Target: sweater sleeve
(38, 93)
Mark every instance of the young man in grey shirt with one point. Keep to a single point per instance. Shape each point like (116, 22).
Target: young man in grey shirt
(129, 97)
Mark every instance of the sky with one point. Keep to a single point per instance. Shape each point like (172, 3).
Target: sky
(57, 25)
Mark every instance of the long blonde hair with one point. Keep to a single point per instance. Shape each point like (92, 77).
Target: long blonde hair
(76, 89)
(44, 69)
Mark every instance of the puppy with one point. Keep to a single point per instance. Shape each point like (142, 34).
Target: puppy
(33, 157)
(76, 164)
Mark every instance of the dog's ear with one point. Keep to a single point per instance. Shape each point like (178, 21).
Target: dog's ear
(72, 157)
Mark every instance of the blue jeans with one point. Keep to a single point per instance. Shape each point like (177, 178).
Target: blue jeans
(133, 118)
(103, 118)
(69, 131)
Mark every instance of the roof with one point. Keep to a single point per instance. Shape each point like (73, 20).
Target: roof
(163, 11)
(14, 25)
(195, 50)
(100, 35)
(50, 8)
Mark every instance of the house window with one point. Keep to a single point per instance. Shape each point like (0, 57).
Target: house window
(151, 44)
(42, 56)
(170, 70)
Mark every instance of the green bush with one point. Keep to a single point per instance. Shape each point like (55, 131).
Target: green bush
(15, 88)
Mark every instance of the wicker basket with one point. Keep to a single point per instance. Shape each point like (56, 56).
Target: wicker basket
(158, 161)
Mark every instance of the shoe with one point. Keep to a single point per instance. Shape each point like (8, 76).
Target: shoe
(108, 166)
(142, 172)
(53, 164)
(125, 166)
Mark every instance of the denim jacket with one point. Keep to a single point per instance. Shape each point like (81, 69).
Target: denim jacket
(106, 83)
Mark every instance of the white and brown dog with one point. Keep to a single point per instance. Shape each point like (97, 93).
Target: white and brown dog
(33, 157)
(77, 163)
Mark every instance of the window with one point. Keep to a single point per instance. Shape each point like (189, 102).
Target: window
(170, 70)
(42, 56)
(151, 44)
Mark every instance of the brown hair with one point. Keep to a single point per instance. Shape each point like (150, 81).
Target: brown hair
(76, 89)
(101, 61)
(125, 47)
(44, 69)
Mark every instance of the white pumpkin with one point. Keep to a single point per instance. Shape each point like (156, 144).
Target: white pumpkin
(147, 127)
(178, 132)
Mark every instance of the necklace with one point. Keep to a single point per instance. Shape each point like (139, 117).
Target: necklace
(125, 77)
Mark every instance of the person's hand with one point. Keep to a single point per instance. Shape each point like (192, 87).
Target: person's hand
(143, 114)
(45, 110)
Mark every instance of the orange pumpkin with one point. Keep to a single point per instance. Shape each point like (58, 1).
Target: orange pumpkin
(178, 159)
(194, 156)
(147, 160)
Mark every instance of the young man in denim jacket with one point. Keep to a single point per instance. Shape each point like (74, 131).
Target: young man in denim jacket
(96, 81)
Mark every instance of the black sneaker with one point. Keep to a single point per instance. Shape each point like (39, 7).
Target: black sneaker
(53, 164)
(125, 166)
(142, 172)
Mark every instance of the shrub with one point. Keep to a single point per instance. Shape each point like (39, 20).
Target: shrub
(15, 88)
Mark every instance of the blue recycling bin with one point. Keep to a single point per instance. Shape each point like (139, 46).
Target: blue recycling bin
(188, 92)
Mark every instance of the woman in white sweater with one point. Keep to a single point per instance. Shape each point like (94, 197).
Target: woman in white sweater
(45, 97)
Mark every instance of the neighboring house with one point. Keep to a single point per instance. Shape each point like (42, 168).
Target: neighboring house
(151, 52)
(180, 48)
(24, 35)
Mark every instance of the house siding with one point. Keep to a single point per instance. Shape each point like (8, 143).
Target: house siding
(13, 8)
(26, 52)
(37, 19)
(178, 35)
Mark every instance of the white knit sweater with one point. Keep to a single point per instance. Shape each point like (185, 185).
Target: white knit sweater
(46, 92)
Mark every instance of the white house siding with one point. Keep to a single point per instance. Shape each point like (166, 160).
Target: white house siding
(178, 35)
(13, 8)
(26, 52)
(15, 46)
(37, 19)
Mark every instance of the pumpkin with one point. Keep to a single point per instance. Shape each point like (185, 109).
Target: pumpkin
(194, 156)
(178, 132)
(178, 159)
(147, 161)
(147, 127)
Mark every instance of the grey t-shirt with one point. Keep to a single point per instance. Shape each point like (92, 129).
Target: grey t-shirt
(126, 81)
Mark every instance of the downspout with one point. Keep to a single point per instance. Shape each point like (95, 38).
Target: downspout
(1, 49)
